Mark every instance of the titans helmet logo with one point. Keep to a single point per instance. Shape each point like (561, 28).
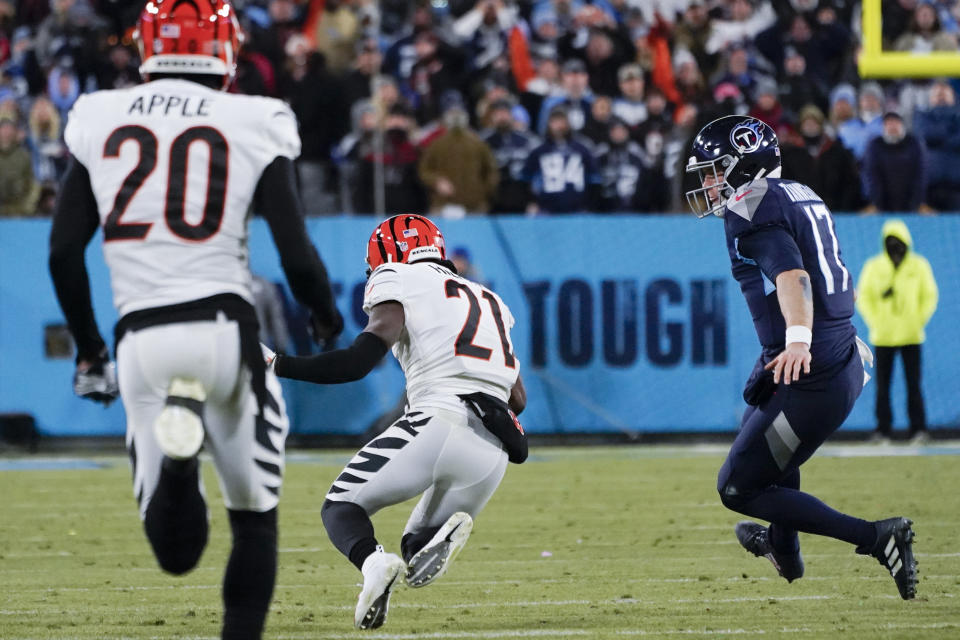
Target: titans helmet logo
(746, 137)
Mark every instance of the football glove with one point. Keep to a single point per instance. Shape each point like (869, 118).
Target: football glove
(97, 381)
(325, 334)
(269, 356)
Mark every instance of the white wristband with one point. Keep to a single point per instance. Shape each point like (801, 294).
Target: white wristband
(799, 333)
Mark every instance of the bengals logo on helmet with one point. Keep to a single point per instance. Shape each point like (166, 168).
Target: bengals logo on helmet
(405, 238)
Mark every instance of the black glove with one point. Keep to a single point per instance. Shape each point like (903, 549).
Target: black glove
(325, 333)
(97, 381)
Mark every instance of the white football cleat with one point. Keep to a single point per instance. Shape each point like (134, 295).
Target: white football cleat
(380, 572)
(179, 427)
(432, 561)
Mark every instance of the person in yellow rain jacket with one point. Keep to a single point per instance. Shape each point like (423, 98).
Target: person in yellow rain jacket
(897, 295)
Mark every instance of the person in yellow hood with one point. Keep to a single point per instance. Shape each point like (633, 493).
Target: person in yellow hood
(897, 295)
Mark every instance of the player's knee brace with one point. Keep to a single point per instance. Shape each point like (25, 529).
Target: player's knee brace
(251, 574)
(349, 529)
(176, 520)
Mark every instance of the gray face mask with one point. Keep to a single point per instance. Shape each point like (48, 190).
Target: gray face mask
(456, 119)
(893, 138)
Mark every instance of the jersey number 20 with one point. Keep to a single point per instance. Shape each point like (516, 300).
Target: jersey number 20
(464, 345)
(174, 210)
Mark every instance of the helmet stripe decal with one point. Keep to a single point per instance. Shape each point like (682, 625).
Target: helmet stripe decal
(393, 232)
(383, 249)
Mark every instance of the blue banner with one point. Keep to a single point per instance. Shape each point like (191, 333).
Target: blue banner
(624, 323)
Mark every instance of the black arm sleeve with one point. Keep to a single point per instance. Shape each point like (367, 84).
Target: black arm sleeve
(773, 249)
(75, 220)
(276, 199)
(335, 367)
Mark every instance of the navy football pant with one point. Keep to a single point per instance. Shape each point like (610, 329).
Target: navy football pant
(761, 475)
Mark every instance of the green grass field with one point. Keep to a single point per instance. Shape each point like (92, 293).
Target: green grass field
(627, 542)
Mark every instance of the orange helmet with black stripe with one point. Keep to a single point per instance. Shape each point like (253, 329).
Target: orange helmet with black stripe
(405, 238)
(189, 37)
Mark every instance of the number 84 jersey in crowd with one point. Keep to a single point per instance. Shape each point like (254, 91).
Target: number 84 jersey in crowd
(173, 166)
(456, 337)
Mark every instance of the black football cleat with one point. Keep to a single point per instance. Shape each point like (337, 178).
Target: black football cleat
(894, 550)
(755, 538)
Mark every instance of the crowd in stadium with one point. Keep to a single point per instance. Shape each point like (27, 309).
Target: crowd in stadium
(546, 106)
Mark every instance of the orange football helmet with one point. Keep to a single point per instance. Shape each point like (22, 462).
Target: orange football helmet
(189, 36)
(405, 238)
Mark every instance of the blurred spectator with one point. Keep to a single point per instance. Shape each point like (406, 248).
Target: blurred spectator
(402, 188)
(897, 16)
(895, 168)
(63, 88)
(337, 33)
(630, 107)
(314, 96)
(70, 35)
(18, 190)
(855, 133)
(562, 171)
(727, 100)
(818, 35)
(510, 148)
(386, 94)
(607, 49)
(924, 34)
(400, 56)
(347, 154)
(269, 35)
(597, 127)
(692, 33)
(438, 69)
(620, 163)
(545, 83)
(122, 69)
(843, 100)
(466, 267)
(483, 31)
(22, 68)
(897, 295)
(575, 99)
(49, 153)
(691, 85)
(736, 69)
(459, 169)
(767, 107)
(357, 83)
(939, 128)
(743, 22)
(799, 88)
(817, 160)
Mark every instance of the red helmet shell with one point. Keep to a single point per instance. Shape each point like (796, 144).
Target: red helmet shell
(405, 238)
(189, 36)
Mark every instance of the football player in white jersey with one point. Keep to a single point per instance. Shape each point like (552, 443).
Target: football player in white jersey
(170, 170)
(452, 339)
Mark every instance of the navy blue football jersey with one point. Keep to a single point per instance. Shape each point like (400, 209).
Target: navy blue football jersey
(775, 225)
(560, 175)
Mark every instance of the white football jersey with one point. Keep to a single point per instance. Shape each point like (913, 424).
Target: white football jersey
(174, 166)
(456, 338)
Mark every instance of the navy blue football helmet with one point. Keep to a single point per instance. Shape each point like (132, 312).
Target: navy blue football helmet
(734, 151)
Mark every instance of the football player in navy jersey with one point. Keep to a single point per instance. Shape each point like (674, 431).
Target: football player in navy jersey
(785, 255)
